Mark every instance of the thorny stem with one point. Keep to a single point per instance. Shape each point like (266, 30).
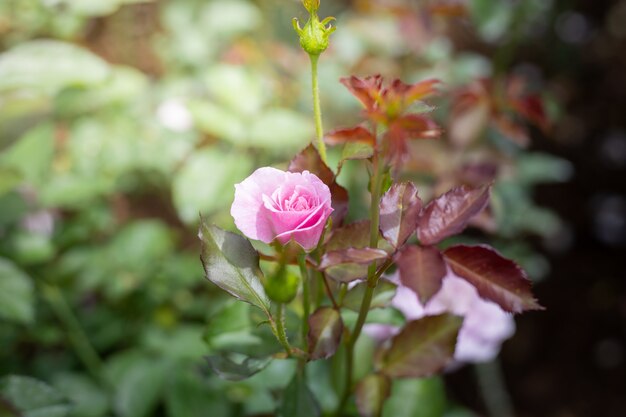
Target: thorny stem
(372, 280)
(279, 329)
(317, 111)
(82, 346)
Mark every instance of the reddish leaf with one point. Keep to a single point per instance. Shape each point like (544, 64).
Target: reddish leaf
(422, 270)
(422, 348)
(531, 107)
(511, 129)
(421, 90)
(399, 210)
(309, 160)
(496, 278)
(353, 235)
(449, 213)
(367, 90)
(409, 93)
(350, 264)
(469, 118)
(371, 393)
(325, 329)
(413, 126)
(339, 203)
(353, 256)
(447, 9)
(350, 135)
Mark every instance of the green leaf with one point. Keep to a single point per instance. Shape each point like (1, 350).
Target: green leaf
(139, 380)
(189, 395)
(371, 393)
(281, 130)
(298, 400)
(383, 294)
(236, 88)
(355, 150)
(235, 366)
(421, 268)
(422, 348)
(32, 154)
(496, 278)
(88, 399)
(537, 167)
(325, 330)
(32, 398)
(416, 398)
(205, 183)
(219, 122)
(50, 65)
(16, 294)
(231, 263)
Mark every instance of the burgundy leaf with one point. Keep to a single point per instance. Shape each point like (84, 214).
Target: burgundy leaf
(352, 255)
(357, 134)
(371, 393)
(422, 348)
(496, 278)
(448, 214)
(422, 269)
(350, 264)
(399, 210)
(325, 329)
(532, 108)
(309, 160)
(353, 235)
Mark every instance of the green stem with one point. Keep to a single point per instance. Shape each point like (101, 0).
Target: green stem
(372, 280)
(493, 389)
(79, 340)
(279, 329)
(317, 110)
(306, 298)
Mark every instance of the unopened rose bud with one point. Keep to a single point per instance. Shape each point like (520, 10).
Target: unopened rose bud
(314, 35)
(311, 5)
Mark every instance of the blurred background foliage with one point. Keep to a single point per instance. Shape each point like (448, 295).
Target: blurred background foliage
(122, 120)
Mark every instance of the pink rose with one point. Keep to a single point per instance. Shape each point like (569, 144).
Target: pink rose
(273, 204)
(485, 324)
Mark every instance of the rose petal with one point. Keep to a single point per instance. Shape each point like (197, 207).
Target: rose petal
(248, 208)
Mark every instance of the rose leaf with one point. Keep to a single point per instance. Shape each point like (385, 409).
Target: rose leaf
(231, 263)
(496, 278)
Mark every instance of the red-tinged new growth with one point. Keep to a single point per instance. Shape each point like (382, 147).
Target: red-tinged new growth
(392, 107)
(504, 106)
